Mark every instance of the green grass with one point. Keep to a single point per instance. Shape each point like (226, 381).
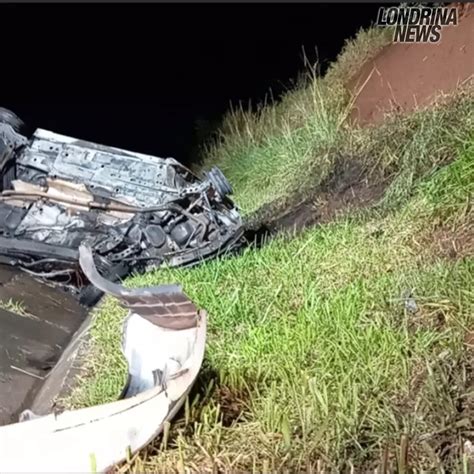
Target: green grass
(14, 306)
(314, 332)
(310, 341)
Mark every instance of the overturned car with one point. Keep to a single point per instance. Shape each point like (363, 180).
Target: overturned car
(135, 211)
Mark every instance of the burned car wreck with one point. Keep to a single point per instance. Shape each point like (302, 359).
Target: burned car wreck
(135, 211)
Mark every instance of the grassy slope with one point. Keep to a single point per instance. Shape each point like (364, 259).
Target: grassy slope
(317, 360)
(287, 145)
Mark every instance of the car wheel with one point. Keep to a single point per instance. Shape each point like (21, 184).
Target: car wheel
(10, 118)
(219, 181)
(89, 296)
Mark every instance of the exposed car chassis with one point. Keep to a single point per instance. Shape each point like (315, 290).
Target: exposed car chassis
(135, 211)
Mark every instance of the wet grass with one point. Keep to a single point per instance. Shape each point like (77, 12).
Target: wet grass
(348, 345)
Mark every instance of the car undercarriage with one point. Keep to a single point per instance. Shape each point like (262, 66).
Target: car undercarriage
(137, 212)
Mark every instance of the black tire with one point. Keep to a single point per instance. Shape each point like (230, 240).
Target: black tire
(10, 118)
(219, 181)
(89, 296)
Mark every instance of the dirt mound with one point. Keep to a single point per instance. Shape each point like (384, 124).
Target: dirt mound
(403, 77)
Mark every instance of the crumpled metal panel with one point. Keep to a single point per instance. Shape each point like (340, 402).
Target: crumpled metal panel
(140, 179)
(135, 211)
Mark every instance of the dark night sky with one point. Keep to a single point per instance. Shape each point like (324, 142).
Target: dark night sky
(138, 76)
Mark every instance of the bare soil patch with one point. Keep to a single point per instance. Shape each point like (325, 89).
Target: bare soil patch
(454, 244)
(232, 404)
(404, 77)
(349, 187)
(448, 242)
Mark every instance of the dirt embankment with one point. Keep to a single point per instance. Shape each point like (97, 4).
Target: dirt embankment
(403, 77)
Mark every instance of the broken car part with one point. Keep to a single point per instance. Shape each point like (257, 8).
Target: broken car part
(164, 338)
(135, 211)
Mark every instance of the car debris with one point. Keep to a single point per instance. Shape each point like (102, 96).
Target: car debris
(164, 338)
(136, 211)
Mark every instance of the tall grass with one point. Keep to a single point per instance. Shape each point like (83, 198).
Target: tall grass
(289, 148)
